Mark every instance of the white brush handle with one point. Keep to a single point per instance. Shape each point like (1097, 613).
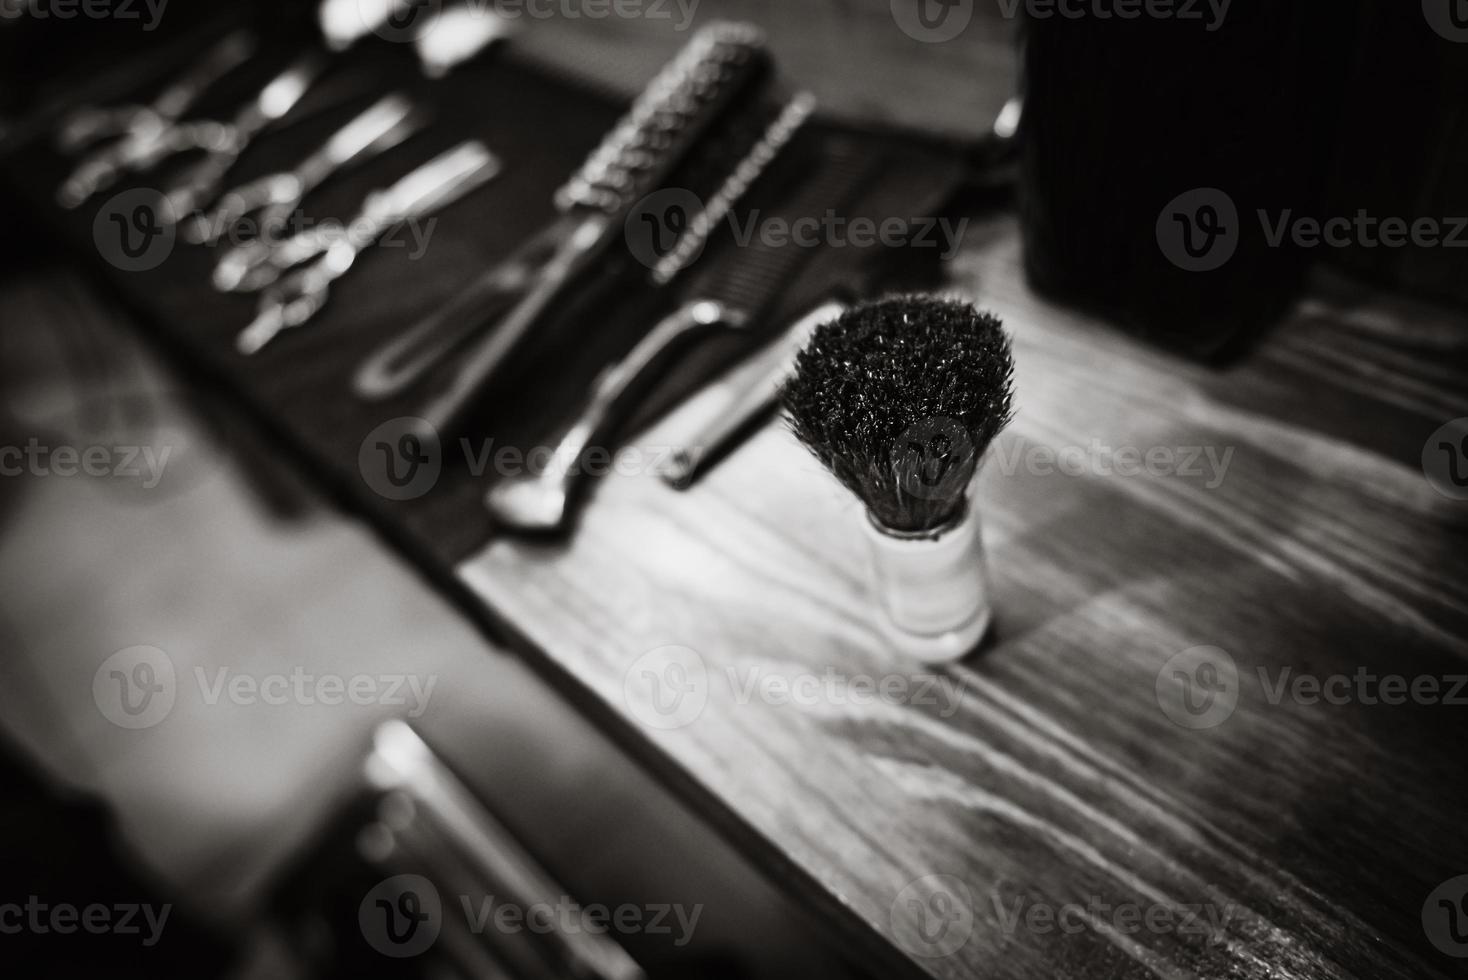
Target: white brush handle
(933, 590)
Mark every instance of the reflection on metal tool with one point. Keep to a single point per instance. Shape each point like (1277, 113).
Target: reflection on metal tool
(140, 135)
(734, 295)
(634, 158)
(272, 198)
(748, 392)
(223, 142)
(325, 254)
(429, 823)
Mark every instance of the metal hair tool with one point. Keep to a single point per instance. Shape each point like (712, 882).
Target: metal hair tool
(87, 125)
(272, 198)
(735, 295)
(141, 135)
(664, 123)
(325, 254)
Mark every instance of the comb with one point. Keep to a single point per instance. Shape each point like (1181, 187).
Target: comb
(658, 131)
(718, 169)
(737, 295)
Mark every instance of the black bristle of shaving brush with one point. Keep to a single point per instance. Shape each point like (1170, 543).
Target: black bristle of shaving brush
(899, 398)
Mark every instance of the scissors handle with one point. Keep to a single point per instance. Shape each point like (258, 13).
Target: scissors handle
(300, 295)
(89, 124)
(409, 356)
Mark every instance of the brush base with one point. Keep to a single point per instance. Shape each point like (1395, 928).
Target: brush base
(933, 588)
(941, 648)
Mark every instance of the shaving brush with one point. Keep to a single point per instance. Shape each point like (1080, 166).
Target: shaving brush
(899, 399)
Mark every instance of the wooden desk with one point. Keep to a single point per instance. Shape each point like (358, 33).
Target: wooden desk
(1058, 783)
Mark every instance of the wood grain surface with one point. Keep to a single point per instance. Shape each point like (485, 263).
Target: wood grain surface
(1097, 793)
(1053, 807)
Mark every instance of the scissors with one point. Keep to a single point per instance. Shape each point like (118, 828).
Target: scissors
(304, 266)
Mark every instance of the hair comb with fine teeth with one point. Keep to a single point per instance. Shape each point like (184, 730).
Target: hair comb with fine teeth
(664, 125)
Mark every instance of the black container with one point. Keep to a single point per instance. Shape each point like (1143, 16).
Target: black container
(1152, 143)
(1406, 152)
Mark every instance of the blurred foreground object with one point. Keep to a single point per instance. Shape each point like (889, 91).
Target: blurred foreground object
(72, 906)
